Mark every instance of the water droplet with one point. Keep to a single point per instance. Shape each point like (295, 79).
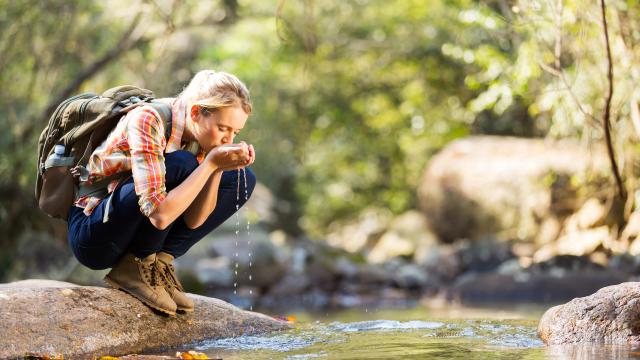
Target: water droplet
(249, 263)
(236, 265)
(250, 278)
(235, 284)
(236, 272)
(235, 292)
(250, 291)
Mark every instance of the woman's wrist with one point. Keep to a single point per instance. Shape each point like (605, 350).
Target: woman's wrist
(210, 167)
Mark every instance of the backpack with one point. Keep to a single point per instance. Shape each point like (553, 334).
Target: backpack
(81, 123)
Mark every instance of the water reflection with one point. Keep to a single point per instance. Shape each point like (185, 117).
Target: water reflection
(588, 352)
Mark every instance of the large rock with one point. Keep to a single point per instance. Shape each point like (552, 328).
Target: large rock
(408, 233)
(361, 233)
(610, 316)
(508, 186)
(56, 318)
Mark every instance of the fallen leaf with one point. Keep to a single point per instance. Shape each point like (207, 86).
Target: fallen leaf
(191, 355)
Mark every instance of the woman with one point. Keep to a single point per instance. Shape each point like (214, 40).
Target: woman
(173, 198)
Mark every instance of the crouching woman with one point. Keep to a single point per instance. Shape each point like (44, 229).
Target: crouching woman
(173, 197)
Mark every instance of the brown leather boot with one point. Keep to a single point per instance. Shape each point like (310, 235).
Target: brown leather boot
(142, 279)
(172, 284)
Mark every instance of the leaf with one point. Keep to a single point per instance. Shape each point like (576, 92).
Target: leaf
(191, 355)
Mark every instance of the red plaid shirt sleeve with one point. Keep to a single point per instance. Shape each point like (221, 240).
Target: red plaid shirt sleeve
(145, 135)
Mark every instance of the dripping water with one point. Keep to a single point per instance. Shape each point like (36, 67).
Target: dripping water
(246, 198)
(235, 270)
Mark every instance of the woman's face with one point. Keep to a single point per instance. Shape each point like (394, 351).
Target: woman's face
(219, 127)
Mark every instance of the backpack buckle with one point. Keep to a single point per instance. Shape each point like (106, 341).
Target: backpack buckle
(134, 100)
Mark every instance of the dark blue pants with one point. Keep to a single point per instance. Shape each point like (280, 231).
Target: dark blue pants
(99, 245)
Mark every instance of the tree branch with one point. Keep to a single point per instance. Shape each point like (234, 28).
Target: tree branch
(606, 121)
(556, 69)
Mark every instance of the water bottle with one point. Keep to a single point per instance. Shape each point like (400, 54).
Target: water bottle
(57, 192)
(58, 152)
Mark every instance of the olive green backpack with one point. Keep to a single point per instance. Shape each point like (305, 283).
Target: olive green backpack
(80, 124)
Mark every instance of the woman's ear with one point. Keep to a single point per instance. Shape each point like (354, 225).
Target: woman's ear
(195, 111)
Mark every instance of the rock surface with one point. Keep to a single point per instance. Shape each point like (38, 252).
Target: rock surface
(55, 318)
(610, 316)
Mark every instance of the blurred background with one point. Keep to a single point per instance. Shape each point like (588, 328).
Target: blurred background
(407, 151)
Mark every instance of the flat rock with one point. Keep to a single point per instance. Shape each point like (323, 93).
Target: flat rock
(610, 316)
(51, 318)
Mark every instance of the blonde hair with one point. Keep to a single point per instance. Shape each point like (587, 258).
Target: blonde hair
(215, 89)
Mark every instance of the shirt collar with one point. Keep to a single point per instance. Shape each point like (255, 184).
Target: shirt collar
(178, 123)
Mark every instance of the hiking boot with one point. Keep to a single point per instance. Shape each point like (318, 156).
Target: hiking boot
(141, 278)
(172, 284)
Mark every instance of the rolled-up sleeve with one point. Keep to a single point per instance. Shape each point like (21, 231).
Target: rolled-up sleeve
(145, 135)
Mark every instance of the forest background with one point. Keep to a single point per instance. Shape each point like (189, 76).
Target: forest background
(351, 98)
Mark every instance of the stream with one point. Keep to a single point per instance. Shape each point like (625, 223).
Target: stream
(418, 333)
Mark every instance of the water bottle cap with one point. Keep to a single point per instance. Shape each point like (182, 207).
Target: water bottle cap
(59, 149)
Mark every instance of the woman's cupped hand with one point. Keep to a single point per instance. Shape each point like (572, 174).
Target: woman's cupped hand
(232, 156)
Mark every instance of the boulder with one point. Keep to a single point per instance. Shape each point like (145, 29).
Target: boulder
(361, 233)
(631, 232)
(51, 318)
(591, 214)
(507, 186)
(583, 242)
(610, 316)
(407, 234)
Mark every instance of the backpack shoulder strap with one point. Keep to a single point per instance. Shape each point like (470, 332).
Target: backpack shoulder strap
(164, 110)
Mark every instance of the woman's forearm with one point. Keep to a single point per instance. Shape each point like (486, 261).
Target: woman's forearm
(179, 199)
(204, 203)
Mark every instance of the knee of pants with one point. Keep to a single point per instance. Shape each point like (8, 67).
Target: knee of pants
(95, 263)
(97, 258)
(179, 165)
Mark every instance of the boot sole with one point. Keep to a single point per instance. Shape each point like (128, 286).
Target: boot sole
(114, 285)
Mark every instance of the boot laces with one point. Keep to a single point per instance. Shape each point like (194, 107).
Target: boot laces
(169, 277)
(151, 274)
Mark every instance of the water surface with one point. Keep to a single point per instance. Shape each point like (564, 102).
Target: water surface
(449, 333)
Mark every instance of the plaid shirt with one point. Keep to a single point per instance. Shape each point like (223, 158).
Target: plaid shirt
(137, 145)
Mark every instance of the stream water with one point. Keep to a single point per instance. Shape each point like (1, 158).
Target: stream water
(419, 333)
